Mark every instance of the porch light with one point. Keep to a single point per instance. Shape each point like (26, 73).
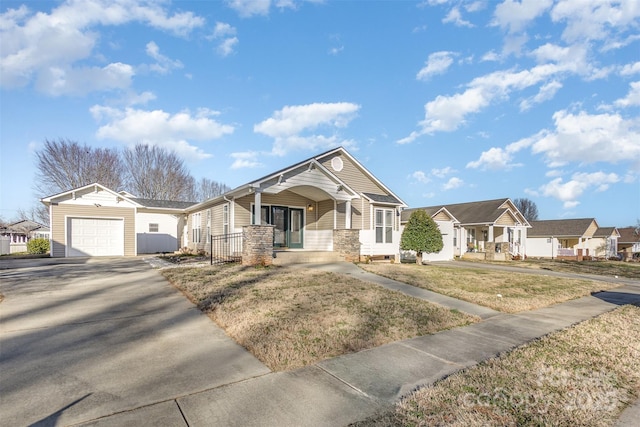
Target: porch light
(310, 207)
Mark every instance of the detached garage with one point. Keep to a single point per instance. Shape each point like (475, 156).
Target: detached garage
(96, 221)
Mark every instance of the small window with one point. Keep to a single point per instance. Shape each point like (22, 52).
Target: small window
(153, 228)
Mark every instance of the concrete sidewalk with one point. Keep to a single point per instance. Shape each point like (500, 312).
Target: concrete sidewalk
(353, 387)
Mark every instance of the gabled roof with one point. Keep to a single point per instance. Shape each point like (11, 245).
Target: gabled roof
(163, 204)
(25, 225)
(308, 164)
(561, 227)
(606, 232)
(628, 235)
(123, 195)
(481, 212)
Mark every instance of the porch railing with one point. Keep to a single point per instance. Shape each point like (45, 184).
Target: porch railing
(226, 248)
(565, 252)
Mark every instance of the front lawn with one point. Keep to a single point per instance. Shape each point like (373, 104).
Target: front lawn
(504, 291)
(582, 376)
(289, 318)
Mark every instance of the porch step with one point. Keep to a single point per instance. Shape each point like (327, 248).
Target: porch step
(303, 257)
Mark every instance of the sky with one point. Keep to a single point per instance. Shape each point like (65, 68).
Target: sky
(443, 101)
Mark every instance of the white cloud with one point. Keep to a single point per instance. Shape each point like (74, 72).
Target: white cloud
(226, 36)
(290, 126)
(569, 192)
(246, 159)
(248, 8)
(490, 56)
(132, 126)
(630, 69)
(453, 183)
(454, 16)
(421, 177)
(589, 138)
(442, 172)
(45, 46)
(437, 63)
(448, 113)
(164, 64)
(493, 159)
(57, 81)
(516, 15)
(227, 46)
(632, 98)
(596, 20)
(546, 92)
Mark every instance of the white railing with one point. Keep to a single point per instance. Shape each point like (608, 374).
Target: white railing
(565, 252)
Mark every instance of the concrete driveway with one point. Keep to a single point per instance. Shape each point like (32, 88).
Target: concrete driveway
(81, 339)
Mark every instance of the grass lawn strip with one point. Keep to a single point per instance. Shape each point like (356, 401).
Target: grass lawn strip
(584, 375)
(289, 318)
(503, 291)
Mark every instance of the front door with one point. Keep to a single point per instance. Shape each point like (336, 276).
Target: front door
(289, 226)
(296, 237)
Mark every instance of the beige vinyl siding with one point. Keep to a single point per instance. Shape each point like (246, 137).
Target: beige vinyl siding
(60, 212)
(353, 176)
(506, 219)
(340, 214)
(591, 230)
(441, 216)
(203, 231)
(325, 215)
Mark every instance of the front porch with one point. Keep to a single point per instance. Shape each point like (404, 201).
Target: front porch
(492, 243)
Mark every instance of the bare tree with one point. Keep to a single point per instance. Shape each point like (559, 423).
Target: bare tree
(38, 213)
(157, 173)
(64, 164)
(207, 189)
(527, 208)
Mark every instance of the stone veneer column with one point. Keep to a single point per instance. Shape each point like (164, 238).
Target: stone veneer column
(346, 242)
(257, 247)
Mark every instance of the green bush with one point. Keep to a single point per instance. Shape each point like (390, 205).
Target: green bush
(38, 246)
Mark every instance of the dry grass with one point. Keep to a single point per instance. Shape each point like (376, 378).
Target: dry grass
(630, 270)
(289, 318)
(519, 292)
(584, 375)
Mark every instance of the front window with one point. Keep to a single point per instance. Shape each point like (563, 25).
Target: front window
(153, 228)
(384, 225)
(195, 227)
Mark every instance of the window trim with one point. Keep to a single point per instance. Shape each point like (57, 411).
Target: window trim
(385, 226)
(196, 227)
(208, 238)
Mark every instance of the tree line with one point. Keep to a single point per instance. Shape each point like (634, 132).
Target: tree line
(146, 171)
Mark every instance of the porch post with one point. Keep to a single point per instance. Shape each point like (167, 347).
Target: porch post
(347, 214)
(257, 208)
(491, 233)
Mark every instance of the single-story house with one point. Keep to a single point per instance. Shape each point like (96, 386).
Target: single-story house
(16, 235)
(329, 202)
(97, 221)
(629, 243)
(311, 206)
(488, 229)
(604, 243)
(570, 238)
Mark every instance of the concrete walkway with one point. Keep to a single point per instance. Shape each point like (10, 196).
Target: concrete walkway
(350, 388)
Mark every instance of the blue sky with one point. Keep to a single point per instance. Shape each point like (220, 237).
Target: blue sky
(444, 101)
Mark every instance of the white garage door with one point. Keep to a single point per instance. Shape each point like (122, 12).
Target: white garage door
(95, 237)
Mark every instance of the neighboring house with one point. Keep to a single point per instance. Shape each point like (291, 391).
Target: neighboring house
(17, 235)
(309, 205)
(561, 238)
(492, 229)
(629, 243)
(96, 221)
(604, 243)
